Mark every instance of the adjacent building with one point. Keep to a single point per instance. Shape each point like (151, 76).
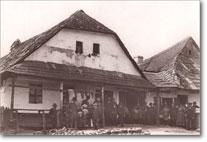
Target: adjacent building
(175, 72)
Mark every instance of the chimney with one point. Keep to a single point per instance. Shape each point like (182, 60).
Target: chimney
(15, 44)
(140, 60)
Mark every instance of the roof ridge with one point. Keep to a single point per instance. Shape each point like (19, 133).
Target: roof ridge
(75, 21)
(166, 56)
(183, 40)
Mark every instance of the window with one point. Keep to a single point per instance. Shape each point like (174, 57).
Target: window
(189, 52)
(79, 47)
(96, 49)
(35, 93)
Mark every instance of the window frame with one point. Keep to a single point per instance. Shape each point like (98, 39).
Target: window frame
(35, 93)
(79, 47)
(189, 52)
(96, 47)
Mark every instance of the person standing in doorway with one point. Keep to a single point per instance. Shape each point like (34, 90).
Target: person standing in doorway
(166, 114)
(180, 117)
(73, 110)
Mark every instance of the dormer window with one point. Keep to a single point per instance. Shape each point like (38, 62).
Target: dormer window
(79, 47)
(189, 52)
(96, 49)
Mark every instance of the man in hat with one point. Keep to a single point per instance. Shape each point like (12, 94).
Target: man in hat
(194, 115)
(73, 110)
(53, 116)
(96, 115)
(121, 114)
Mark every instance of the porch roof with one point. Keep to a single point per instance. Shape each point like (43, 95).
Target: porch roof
(69, 72)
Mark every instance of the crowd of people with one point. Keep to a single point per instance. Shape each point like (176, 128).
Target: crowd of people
(89, 115)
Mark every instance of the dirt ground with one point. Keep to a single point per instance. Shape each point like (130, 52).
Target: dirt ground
(147, 129)
(168, 130)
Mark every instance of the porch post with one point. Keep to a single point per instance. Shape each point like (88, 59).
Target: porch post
(61, 104)
(61, 94)
(158, 106)
(43, 121)
(103, 115)
(17, 121)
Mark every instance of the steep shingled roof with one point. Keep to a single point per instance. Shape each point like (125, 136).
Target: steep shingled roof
(173, 67)
(79, 21)
(161, 60)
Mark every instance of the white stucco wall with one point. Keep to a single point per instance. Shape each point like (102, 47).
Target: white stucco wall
(5, 94)
(21, 96)
(21, 99)
(61, 49)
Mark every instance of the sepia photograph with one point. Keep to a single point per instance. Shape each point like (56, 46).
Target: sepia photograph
(100, 68)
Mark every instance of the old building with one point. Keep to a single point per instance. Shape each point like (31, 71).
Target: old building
(176, 73)
(78, 57)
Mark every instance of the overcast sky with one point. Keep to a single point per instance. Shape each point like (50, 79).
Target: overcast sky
(145, 28)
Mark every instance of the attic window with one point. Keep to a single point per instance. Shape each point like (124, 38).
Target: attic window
(189, 53)
(79, 47)
(96, 49)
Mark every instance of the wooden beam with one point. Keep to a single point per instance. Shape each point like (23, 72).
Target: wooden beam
(103, 110)
(43, 88)
(61, 94)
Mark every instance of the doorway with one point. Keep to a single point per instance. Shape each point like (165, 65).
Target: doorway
(68, 94)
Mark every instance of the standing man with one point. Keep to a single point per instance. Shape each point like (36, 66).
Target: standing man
(195, 116)
(121, 114)
(189, 116)
(180, 117)
(96, 115)
(114, 112)
(166, 114)
(173, 114)
(108, 111)
(73, 112)
(53, 116)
